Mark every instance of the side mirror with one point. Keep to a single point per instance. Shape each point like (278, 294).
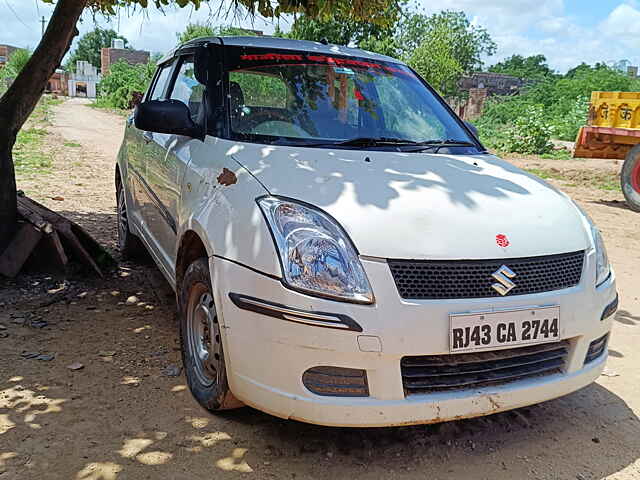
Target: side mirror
(473, 129)
(166, 116)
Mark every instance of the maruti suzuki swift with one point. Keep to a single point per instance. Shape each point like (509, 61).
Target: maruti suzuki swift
(344, 250)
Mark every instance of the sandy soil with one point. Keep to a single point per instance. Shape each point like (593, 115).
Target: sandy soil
(122, 417)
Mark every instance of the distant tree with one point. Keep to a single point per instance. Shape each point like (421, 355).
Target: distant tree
(435, 60)
(341, 30)
(123, 81)
(197, 30)
(15, 63)
(585, 68)
(443, 47)
(533, 67)
(90, 45)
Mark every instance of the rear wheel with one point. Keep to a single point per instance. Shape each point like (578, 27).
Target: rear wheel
(129, 245)
(630, 178)
(201, 338)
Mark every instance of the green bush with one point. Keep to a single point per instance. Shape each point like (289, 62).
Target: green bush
(530, 133)
(554, 106)
(567, 116)
(117, 87)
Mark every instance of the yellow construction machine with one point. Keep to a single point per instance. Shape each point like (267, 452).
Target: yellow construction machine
(613, 131)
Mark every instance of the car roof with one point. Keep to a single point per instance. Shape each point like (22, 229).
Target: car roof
(263, 41)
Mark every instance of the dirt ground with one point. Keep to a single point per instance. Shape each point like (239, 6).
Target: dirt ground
(124, 416)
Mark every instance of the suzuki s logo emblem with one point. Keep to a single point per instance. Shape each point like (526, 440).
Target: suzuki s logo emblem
(504, 276)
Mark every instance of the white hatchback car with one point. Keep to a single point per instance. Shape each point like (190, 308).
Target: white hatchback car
(344, 250)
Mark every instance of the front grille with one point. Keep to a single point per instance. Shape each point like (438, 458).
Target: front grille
(434, 373)
(429, 279)
(596, 349)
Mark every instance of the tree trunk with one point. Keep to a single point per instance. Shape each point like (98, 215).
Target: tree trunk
(22, 97)
(8, 205)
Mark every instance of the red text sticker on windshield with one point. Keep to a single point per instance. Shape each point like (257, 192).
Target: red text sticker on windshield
(502, 240)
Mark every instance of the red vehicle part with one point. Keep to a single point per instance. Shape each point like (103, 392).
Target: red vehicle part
(630, 178)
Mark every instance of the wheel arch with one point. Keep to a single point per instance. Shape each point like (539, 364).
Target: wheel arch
(191, 247)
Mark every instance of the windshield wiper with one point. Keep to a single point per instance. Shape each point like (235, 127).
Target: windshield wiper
(366, 142)
(436, 145)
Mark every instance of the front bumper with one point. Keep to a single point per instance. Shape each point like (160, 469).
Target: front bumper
(267, 356)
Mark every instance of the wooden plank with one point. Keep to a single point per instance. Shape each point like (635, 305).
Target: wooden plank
(33, 217)
(79, 242)
(19, 250)
(64, 229)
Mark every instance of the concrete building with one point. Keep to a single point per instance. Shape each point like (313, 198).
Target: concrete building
(85, 81)
(58, 84)
(495, 83)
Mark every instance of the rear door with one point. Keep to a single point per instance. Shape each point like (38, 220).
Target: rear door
(167, 165)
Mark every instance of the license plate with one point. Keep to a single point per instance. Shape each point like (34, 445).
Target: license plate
(471, 332)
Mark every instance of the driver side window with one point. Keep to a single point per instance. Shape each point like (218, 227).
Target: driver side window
(187, 89)
(160, 85)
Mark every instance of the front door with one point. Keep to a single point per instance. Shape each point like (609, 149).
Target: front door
(165, 170)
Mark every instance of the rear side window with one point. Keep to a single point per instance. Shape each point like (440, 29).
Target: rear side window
(160, 84)
(187, 89)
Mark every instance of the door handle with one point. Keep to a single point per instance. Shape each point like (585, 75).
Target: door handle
(148, 137)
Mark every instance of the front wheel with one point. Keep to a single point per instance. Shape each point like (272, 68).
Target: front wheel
(201, 339)
(630, 178)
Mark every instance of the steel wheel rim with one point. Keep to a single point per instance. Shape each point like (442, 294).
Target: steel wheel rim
(123, 221)
(203, 335)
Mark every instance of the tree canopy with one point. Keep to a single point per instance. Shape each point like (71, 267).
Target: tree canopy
(372, 35)
(90, 45)
(443, 47)
(532, 67)
(197, 29)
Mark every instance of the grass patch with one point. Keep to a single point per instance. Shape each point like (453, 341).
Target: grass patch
(557, 155)
(545, 173)
(72, 144)
(28, 156)
(100, 106)
(602, 180)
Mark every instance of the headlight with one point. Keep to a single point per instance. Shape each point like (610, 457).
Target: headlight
(315, 253)
(603, 269)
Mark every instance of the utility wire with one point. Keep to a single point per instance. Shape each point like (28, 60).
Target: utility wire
(16, 15)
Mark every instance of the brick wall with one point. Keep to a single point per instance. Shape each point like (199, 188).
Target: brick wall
(109, 56)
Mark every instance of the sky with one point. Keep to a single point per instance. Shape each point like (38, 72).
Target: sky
(567, 32)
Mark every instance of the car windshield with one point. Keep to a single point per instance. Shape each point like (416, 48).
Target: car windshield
(309, 99)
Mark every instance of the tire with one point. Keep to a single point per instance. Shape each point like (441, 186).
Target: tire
(201, 340)
(630, 178)
(130, 246)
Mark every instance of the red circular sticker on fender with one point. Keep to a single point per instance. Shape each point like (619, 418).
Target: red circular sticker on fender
(502, 240)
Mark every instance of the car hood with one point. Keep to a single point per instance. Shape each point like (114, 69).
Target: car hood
(423, 206)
